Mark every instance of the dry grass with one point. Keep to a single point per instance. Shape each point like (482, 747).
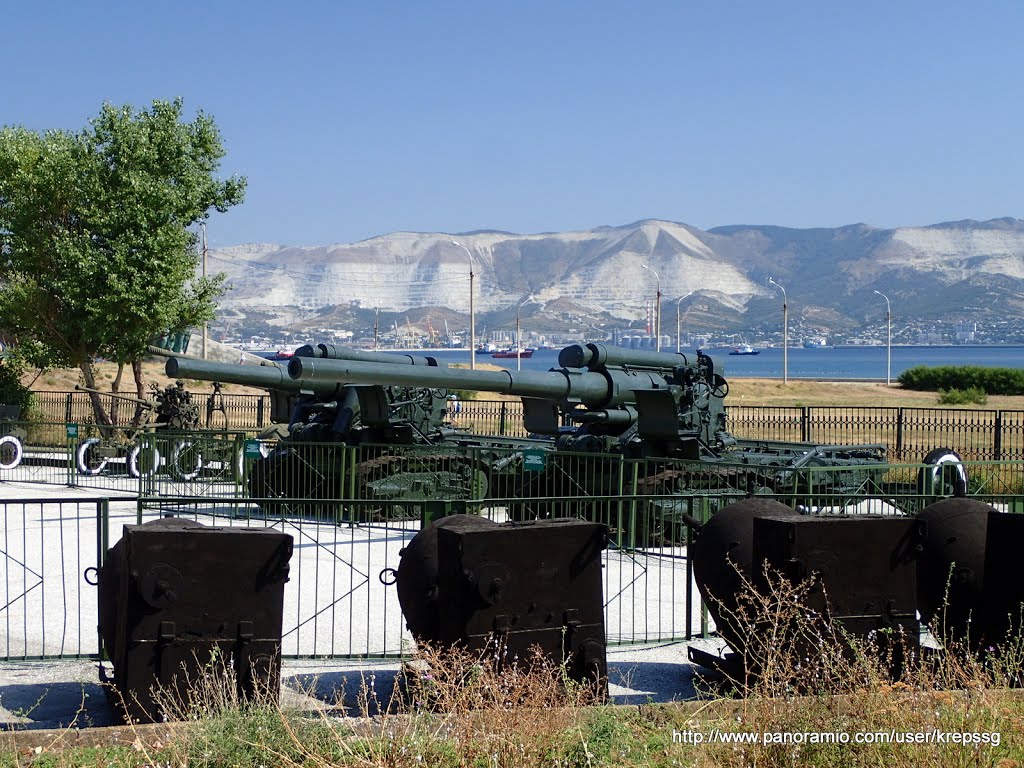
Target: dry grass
(65, 379)
(462, 710)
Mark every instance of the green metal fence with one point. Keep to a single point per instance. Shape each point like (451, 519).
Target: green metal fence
(49, 551)
(908, 433)
(221, 462)
(339, 602)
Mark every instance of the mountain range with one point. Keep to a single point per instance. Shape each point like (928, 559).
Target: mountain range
(717, 278)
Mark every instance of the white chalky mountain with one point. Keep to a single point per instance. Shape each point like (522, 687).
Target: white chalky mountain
(721, 274)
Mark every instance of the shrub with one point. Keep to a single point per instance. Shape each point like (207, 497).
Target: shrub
(12, 391)
(974, 395)
(991, 381)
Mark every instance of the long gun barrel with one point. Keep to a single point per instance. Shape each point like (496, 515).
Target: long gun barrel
(274, 376)
(593, 389)
(335, 352)
(262, 376)
(129, 398)
(594, 356)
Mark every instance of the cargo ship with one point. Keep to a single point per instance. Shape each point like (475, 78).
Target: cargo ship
(513, 353)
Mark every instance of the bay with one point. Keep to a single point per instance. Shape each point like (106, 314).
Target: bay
(842, 363)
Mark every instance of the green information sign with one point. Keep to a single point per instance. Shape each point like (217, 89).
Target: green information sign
(252, 449)
(533, 460)
(72, 431)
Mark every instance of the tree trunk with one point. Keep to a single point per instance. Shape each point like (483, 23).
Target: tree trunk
(140, 391)
(115, 388)
(99, 412)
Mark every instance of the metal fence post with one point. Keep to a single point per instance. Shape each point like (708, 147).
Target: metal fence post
(689, 572)
(501, 418)
(805, 424)
(997, 438)
(102, 545)
(899, 432)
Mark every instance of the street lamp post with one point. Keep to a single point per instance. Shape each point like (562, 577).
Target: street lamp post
(785, 332)
(519, 343)
(472, 314)
(888, 339)
(657, 310)
(678, 334)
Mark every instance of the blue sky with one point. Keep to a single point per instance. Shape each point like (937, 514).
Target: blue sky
(353, 119)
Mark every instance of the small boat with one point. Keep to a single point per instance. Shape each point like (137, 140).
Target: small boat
(745, 349)
(507, 353)
(281, 355)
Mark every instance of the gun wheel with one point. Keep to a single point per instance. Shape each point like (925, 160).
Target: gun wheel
(88, 460)
(186, 460)
(944, 474)
(143, 460)
(11, 452)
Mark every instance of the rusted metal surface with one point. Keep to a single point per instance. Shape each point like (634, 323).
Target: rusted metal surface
(508, 588)
(179, 601)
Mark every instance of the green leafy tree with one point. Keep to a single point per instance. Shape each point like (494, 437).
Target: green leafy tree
(98, 257)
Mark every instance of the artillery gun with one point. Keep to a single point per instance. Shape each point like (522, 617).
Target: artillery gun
(664, 410)
(169, 410)
(408, 449)
(639, 405)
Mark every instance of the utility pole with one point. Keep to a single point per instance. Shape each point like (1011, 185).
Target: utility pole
(888, 339)
(785, 332)
(472, 314)
(657, 310)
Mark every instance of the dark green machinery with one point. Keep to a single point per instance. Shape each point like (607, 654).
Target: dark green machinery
(661, 407)
(170, 410)
(662, 414)
(341, 440)
(624, 423)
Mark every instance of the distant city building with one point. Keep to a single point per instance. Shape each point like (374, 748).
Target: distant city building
(966, 332)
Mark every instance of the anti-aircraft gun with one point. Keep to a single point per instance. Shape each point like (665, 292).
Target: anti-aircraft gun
(169, 409)
(407, 447)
